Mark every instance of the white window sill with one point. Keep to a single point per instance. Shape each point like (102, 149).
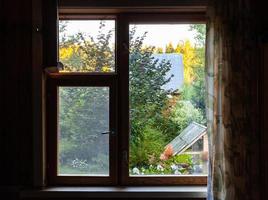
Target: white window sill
(118, 192)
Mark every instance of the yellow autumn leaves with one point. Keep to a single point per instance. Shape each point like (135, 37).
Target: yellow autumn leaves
(191, 59)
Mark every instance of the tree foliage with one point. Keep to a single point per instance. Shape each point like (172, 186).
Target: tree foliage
(190, 60)
(159, 50)
(146, 78)
(84, 53)
(147, 98)
(170, 48)
(84, 110)
(80, 129)
(200, 33)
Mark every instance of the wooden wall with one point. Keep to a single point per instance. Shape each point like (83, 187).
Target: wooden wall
(264, 123)
(18, 39)
(16, 95)
(16, 137)
(263, 27)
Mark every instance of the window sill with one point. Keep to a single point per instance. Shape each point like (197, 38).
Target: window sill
(186, 192)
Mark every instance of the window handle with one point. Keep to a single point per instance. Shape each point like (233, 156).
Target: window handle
(108, 132)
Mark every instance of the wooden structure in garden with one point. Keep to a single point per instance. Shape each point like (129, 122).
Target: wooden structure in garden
(192, 133)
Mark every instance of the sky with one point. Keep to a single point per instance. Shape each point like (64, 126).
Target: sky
(159, 35)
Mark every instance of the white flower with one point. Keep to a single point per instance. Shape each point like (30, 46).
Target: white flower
(169, 96)
(135, 170)
(159, 168)
(174, 167)
(177, 172)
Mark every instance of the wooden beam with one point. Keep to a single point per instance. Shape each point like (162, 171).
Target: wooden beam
(130, 3)
(50, 33)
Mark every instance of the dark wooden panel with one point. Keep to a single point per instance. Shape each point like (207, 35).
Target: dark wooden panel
(111, 198)
(130, 3)
(16, 133)
(130, 6)
(37, 93)
(264, 121)
(50, 33)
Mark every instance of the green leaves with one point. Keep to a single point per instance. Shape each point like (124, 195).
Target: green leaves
(84, 111)
(147, 76)
(88, 54)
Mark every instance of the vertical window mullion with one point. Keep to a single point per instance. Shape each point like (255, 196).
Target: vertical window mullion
(123, 97)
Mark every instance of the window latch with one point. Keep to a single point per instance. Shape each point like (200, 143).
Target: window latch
(108, 132)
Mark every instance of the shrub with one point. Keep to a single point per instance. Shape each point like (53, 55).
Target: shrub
(181, 116)
(176, 165)
(147, 148)
(195, 92)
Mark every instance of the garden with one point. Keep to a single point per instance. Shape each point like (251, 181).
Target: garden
(157, 115)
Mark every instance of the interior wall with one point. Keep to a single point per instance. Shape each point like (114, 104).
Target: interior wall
(264, 127)
(16, 96)
(16, 133)
(263, 27)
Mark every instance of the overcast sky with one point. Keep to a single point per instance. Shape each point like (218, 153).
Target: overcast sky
(158, 35)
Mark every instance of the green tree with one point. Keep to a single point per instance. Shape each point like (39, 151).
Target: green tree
(195, 92)
(80, 122)
(147, 76)
(81, 52)
(80, 129)
(147, 98)
(159, 50)
(191, 60)
(200, 33)
(170, 48)
(183, 114)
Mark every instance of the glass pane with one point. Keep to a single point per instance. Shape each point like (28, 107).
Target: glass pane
(167, 100)
(83, 117)
(87, 45)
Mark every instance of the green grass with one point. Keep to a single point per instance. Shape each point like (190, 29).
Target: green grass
(70, 170)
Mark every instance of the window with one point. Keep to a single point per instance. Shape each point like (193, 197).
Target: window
(119, 111)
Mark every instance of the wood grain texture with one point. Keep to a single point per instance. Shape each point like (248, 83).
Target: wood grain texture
(130, 3)
(16, 110)
(49, 31)
(264, 120)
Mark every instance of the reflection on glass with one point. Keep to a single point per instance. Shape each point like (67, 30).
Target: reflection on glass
(83, 117)
(87, 45)
(167, 106)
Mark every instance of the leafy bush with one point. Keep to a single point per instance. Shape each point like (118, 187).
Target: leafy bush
(179, 117)
(146, 78)
(176, 165)
(147, 148)
(180, 159)
(195, 92)
(78, 134)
